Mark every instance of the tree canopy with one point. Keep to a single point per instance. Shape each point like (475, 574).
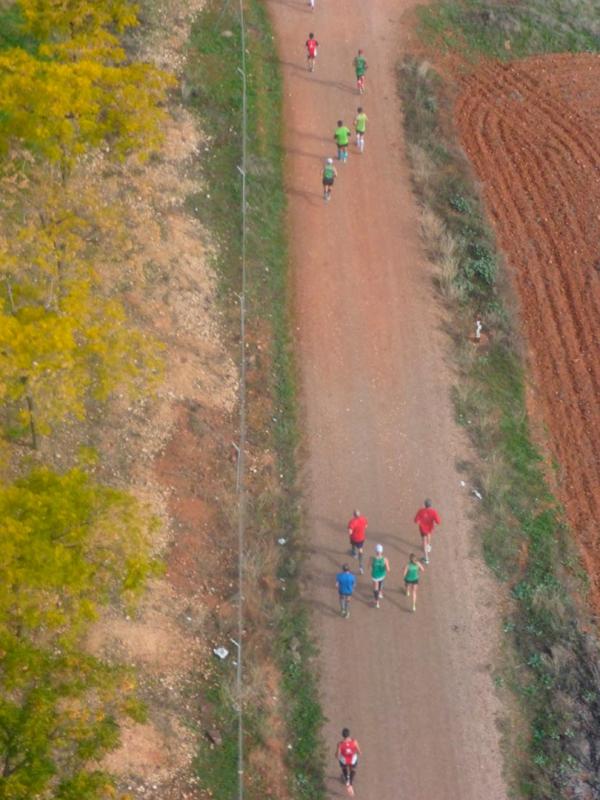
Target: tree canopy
(57, 20)
(67, 547)
(61, 110)
(70, 96)
(61, 355)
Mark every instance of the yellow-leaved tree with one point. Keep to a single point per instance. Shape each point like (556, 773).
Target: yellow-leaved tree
(61, 110)
(63, 337)
(52, 359)
(58, 20)
(50, 233)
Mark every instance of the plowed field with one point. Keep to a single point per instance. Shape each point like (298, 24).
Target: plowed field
(532, 132)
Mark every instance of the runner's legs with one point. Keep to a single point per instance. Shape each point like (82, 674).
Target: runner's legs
(345, 604)
(377, 591)
(426, 541)
(346, 770)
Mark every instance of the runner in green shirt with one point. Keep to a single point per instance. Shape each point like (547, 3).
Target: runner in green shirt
(380, 569)
(412, 573)
(360, 126)
(342, 139)
(360, 68)
(329, 175)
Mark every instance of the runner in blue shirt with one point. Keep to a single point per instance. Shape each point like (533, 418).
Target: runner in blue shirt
(345, 582)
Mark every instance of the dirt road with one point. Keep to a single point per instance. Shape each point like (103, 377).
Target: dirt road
(416, 690)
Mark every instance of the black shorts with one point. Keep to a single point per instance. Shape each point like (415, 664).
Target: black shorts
(411, 583)
(328, 181)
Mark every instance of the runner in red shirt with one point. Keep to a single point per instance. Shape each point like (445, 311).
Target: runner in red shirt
(347, 753)
(427, 518)
(311, 51)
(357, 532)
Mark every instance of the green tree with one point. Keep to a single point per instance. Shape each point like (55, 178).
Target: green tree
(59, 709)
(68, 546)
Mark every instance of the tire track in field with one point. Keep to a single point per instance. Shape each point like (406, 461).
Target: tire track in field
(538, 157)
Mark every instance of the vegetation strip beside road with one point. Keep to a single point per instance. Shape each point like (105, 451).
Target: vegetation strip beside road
(277, 621)
(506, 30)
(551, 663)
(70, 546)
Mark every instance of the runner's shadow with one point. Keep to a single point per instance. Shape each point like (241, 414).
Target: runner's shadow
(388, 539)
(335, 786)
(366, 597)
(332, 524)
(314, 198)
(325, 608)
(406, 609)
(324, 576)
(308, 135)
(297, 5)
(343, 87)
(392, 601)
(295, 66)
(314, 156)
(334, 555)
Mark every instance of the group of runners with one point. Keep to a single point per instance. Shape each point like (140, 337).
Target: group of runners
(348, 749)
(426, 518)
(342, 134)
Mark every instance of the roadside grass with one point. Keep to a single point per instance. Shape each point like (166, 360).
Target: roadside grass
(217, 762)
(504, 29)
(552, 665)
(277, 619)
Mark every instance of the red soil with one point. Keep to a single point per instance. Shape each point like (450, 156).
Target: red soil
(532, 132)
